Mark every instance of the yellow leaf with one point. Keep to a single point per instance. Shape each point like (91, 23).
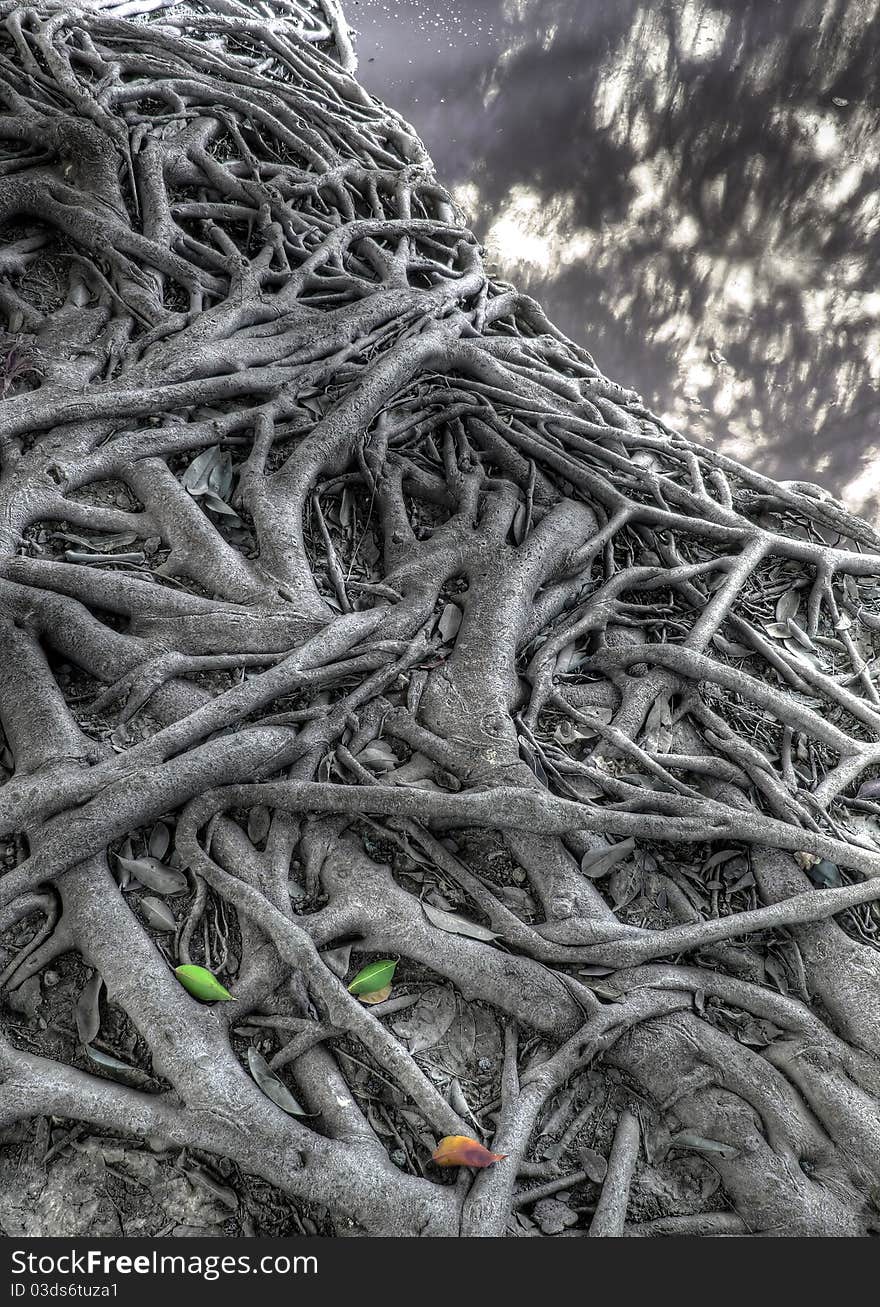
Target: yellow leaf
(377, 996)
(460, 1150)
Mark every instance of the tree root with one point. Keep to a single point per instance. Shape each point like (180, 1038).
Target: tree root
(350, 608)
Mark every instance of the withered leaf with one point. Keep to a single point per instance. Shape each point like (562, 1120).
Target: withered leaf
(825, 874)
(461, 1150)
(160, 840)
(456, 925)
(88, 1008)
(259, 820)
(272, 1086)
(428, 1020)
(687, 1139)
(787, 605)
(553, 1216)
(598, 862)
(376, 995)
(449, 622)
(158, 914)
(155, 874)
(594, 1164)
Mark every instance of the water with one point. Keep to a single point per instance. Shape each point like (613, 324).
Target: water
(690, 189)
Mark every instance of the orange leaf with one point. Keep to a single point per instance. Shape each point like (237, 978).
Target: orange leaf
(459, 1150)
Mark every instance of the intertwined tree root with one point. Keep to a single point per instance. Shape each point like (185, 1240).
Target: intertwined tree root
(325, 554)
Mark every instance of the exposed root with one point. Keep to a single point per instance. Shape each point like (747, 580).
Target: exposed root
(343, 587)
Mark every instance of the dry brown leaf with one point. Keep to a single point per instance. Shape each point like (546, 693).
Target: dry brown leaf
(377, 996)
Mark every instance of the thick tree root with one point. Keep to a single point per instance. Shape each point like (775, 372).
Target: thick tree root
(337, 582)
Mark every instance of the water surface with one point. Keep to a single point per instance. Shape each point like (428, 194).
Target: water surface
(690, 189)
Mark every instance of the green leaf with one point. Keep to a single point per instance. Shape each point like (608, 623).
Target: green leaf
(202, 984)
(375, 976)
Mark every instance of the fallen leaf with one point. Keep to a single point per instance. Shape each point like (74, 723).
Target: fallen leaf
(567, 731)
(594, 1164)
(123, 875)
(598, 862)
(160, 840)
(377, 996)
(373, 977)
(210, 473)
(338, 959)
(259, 821)
(825, 874)
(657, 734)
(757, 1034)
(787, 605)
(202, 984)
(722, 856)
(569, 659)
(428, 1020)
(218, 505)
(732, 648)
(88, 1010)
(129, 1075)
(798, 634)
(378, 757)
(778, 630)
(513, 896)
(456, 925)
(450, 621)
(224, 1194)
(272, 1086)
(625, 884)
(418, 768)
(687, 1139)
(155, 875)
(345, 508)
(460, 1150)
(158, 914)
(553, 1216)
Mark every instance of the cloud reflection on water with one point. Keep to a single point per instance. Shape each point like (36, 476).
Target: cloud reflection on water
(691, 189)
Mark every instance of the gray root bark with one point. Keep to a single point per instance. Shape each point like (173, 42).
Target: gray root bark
(217, 245)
